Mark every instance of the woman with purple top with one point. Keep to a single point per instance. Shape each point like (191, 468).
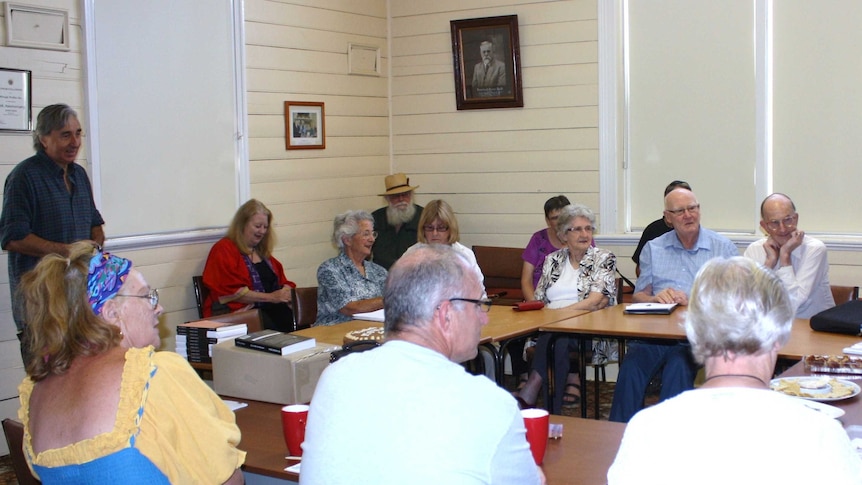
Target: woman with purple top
(543, 243)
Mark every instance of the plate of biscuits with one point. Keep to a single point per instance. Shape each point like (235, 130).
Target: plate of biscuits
(816, 388)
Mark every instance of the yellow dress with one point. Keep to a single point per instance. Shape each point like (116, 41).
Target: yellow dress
(167, 413)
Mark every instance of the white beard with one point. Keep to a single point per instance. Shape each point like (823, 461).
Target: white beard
(396, 216)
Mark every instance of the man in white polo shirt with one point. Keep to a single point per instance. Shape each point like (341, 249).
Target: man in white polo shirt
(799, 260)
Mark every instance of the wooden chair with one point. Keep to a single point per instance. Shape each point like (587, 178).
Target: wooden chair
(201, 293)
(14, 431)
(502, 270)
(304, 307)
(843, 294)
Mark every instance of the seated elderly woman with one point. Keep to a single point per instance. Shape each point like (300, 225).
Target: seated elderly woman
(99, 404)
(734, 428)
(578, 276)
(241, 273)
(438, 225)
(349, 283)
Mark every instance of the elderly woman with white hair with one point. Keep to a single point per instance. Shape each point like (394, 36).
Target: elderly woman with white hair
(578, 276)
(734, 429)
(349, 283)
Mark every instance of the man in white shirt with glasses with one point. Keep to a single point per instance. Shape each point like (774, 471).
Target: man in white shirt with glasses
(799, 260)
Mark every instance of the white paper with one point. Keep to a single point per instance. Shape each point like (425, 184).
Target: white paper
(375, 316)
(646, 307)
(293, 468)
(234, 405)
(855, 349)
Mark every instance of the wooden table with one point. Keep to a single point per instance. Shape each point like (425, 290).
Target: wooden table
(334, 334)
(506, 324)
(582, 456)
(852, 407)
(613, 322)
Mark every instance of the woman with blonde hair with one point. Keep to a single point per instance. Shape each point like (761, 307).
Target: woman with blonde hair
(241, 272)
(438, 225)
(99, 404)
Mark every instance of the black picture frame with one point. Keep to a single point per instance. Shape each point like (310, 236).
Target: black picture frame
(487, 83)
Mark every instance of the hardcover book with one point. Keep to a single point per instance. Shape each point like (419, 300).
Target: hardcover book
(275, 342)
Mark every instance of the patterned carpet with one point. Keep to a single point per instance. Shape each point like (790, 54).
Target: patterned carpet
(7, 475)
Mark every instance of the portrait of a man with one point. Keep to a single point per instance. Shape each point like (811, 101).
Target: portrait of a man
(489, 75)
(487, 63)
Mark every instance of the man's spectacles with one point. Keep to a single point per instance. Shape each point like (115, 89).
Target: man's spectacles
(430, 228)
(789, 221)
(580, 228)
(484, 305)
(153, 296)
(694, 209)
(367, 234)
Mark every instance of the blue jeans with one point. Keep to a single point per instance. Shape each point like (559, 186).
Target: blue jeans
(642, 361)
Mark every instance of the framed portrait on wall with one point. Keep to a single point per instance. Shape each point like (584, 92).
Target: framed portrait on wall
(304, 125)
(487, 59)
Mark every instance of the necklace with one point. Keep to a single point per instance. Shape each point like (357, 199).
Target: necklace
(736, 375)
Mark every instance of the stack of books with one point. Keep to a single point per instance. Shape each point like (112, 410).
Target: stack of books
(195, 340)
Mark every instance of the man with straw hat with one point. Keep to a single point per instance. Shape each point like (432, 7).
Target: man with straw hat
(397, 224)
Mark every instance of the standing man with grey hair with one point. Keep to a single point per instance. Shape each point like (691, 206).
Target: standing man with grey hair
(406, 412)
(799, 260)
(47, 201)
(397, 224)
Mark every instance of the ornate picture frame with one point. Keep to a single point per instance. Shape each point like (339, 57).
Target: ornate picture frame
(487, 60)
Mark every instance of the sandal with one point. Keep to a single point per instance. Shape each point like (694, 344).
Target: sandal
(570, 399)
(522, 381)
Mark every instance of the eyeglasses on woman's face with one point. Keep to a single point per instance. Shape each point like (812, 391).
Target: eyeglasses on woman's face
(432, 228)
(153, 296)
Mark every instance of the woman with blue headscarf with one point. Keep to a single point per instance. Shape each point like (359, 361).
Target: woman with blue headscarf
(99, 404)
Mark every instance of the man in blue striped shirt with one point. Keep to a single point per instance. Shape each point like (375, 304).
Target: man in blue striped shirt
(47, 202)
(668, 265)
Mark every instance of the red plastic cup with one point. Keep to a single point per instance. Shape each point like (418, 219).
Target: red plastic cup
(293, 419)
(536, 421)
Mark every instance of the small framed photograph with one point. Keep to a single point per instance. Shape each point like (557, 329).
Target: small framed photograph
(487, 59)
(16, 100)
(304, 125)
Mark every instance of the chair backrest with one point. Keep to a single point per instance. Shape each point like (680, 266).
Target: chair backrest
(248, 317)
(14, 431)
(502, 270)
(201, 293)
(843, 294)
(304, 307)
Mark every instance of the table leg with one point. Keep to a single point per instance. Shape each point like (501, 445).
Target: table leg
(582, 371)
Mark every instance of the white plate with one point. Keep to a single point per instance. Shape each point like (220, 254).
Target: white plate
(826, 409)
(814, 393)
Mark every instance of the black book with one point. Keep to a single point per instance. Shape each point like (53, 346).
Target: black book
(275, 342)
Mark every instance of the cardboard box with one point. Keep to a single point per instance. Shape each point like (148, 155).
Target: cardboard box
(262, 376)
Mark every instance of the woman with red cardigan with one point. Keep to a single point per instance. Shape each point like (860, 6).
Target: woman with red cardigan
(241, 273)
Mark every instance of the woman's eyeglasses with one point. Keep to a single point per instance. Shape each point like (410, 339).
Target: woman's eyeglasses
(153, 296)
